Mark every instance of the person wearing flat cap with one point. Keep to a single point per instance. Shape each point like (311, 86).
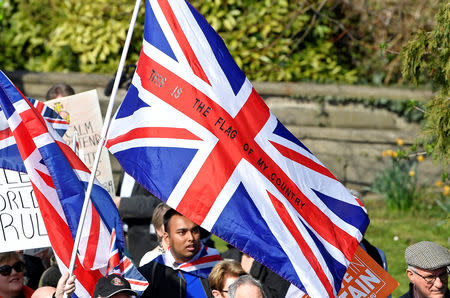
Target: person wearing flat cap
(113, 286)
(428, 265)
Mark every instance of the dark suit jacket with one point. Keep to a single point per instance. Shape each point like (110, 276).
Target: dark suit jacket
(166, 282)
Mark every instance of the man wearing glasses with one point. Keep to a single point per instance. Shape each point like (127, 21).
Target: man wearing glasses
(427, 270)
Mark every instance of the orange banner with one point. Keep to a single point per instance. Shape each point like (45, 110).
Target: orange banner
(365, 278)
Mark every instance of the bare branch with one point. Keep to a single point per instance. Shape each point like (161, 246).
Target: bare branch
(311, 25)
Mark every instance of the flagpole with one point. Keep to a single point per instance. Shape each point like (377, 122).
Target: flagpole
(103, 136)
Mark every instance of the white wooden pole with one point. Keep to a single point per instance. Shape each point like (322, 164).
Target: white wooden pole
(103, 136)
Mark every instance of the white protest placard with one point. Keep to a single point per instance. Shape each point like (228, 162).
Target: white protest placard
(21, 224)
(82, 111)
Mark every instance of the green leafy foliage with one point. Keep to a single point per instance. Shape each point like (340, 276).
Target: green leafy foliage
(68, 35)
(427, 57)
(436, 131)
(278, 40)
(300, 40)
(427, 54)
(270, 40)
(374, 32)
(1, 10)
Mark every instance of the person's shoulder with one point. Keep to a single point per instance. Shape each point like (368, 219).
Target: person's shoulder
(27, 292)
(154, 267)
(147, 266)
(408, 294)
(150, 256)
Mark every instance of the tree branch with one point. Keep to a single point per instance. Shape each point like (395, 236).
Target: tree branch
(311, 25)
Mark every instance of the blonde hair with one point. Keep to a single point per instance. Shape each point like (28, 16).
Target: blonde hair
(158, 216)
(220, 270)
(5, 257)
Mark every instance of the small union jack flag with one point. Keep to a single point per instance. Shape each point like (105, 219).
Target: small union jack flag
(200, 265)
(59, 179)
(119, 263)
(195, 133)
(9, 154)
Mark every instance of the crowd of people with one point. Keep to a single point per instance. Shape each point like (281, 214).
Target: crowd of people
(178, 258)
(181, 267)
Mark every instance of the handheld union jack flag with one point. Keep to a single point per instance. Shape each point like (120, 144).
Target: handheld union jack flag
(194, 132)
(9, 154)
(200, 265)
(59, 180)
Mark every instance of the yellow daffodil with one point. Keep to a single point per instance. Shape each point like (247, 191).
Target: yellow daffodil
(384, 153)
(420, 158)
(411, 173)
(389, 152)
(446, 190)
(400, 142)
(438, 183)
(394, 154)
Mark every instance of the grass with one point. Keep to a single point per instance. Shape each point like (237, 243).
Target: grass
(221, 245)
(393, 231)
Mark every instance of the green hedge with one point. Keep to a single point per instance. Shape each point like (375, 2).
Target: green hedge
(276, 40)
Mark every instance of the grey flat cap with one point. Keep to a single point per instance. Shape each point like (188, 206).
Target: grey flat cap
(427, 255)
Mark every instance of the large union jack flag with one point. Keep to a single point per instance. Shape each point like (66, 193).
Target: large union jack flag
(194, 132)
(59, 180)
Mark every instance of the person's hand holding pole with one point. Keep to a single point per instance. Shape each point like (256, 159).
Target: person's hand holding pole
(66, 286)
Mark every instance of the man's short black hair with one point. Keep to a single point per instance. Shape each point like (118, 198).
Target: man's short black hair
(167, 216)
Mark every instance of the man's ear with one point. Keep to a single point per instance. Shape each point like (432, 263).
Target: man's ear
(215, 293)
(410, 275)
(165, 238)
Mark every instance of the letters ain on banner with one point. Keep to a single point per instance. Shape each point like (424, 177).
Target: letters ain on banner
(365, 278)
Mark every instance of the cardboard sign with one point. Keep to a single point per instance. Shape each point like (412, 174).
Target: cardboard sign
(82, 111)
(21, 224)
(364, 278)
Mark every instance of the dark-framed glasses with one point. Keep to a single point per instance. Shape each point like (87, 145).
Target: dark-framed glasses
(6, 270)
(430, 279)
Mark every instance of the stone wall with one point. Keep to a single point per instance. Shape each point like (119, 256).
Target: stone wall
(348, 139)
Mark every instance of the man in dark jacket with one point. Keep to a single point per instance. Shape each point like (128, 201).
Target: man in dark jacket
(182, 271)
(427, 270)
